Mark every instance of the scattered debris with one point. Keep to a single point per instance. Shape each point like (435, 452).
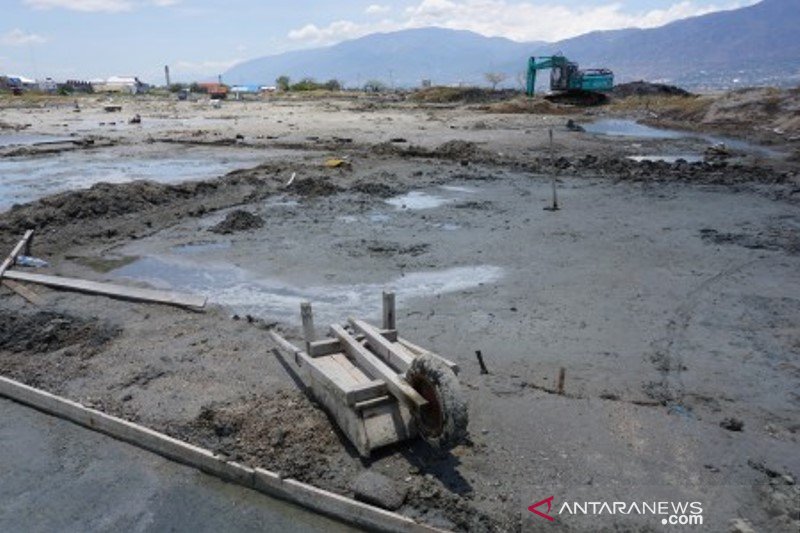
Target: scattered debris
(238, 220)
(337, 163)
(732, 424)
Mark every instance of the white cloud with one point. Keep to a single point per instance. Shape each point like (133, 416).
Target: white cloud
(377, 9)
(18, 37)
(98, 6)
(110, 6)
(520, 21)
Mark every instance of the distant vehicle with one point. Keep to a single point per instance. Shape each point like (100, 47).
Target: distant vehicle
(568, 83)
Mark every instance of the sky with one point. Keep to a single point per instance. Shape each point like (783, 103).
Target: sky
(86, 39)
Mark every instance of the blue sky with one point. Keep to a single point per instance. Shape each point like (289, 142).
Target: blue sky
(197, 38)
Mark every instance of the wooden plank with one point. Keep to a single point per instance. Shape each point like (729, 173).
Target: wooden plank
(110, 289)
(329, 346)
(12, 257)
(358, 375)
(418, 350)
(264, 481)
(324, 347)
(334, 371)
(394, 354)
(366, 391)
(367, 404)
(396, 384)
(24, 292)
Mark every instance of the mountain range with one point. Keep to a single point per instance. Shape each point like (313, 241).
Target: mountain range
(755, 45)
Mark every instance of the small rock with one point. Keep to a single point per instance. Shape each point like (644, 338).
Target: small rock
(377, 489)
(732, 424)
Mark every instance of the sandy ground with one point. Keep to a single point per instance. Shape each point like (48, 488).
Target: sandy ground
(667, 291)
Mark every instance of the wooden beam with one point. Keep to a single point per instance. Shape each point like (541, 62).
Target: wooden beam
(324, 347)
(110, 289)
(380, 370)
(24, 292)
(419, 350)
(366, 391)
(269, 483)
(12, 257)
(389, 316)
(393, 354)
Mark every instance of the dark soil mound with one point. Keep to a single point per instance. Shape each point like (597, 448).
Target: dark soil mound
(284, 433)
(47, 331)
(380, 190)
(314, 187)
(643, 88)
(238, 220)
(456, 150)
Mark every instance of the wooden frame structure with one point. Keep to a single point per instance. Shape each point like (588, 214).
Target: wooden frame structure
(359, 378)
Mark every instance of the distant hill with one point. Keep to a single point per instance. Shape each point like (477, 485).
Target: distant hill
(754, 45)
(403, 58)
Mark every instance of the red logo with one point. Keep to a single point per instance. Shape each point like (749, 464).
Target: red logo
(549, 502)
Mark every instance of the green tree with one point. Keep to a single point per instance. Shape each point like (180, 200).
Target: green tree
(333, 85)
(283, 83)
(374, 86)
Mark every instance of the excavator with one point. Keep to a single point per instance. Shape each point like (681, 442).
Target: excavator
(570, 84)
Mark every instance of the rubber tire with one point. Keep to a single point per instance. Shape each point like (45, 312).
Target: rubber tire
(451, 402)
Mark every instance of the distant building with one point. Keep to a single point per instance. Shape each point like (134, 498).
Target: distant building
(216, 91)
(120, 84)
(21, 82)
(47, 85)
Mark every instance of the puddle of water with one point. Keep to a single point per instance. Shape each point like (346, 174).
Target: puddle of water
(629, 128)
(379, 217)
(200, 247)
(281, 201)
(667, 158)
(29, 139)
(26, 179)
(246, 293)
(458, 188)
(417, 200)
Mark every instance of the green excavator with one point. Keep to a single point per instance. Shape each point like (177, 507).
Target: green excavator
(568, 83)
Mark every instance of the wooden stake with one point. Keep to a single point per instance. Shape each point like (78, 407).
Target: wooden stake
(562, 374)
(484, 370)
(389, 320)
(307, 316)
(12, 257)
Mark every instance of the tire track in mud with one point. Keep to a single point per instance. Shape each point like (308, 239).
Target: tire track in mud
(666, 357)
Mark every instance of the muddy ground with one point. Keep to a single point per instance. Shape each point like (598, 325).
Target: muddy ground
(669, 292)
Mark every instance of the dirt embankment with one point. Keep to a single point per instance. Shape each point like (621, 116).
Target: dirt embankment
(766, 115)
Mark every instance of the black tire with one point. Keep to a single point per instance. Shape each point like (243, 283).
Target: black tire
(443, 422)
